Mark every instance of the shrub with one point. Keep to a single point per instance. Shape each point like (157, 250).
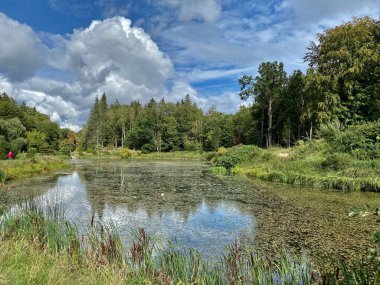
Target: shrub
(4, 148)
(190, 145)
(148, 147)
(18, 145)
(236, 155)
(31, 154)
(125, 153)
(329, 132)
(336, 161)
(362, 141)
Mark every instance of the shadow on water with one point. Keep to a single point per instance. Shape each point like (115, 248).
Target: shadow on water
(180, 202)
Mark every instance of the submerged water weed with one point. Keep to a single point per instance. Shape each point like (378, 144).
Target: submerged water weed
(364, 211)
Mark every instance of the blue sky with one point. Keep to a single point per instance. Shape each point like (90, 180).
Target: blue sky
(60, 54)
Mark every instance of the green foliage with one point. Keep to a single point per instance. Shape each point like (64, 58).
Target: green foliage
(311, 164)
(342, 85)
(125, 153)
(148, 147)
(336, 161)
(236, 155)
(189, 145)
(36, 140)
(362, 140)
(4, 147)
(163, 126)
(19, 145)
(16, 121)
(32, 165)
(266, 89)
(3, 179)
(348, 55)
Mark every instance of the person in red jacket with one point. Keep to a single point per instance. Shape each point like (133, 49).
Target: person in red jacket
(10, 155)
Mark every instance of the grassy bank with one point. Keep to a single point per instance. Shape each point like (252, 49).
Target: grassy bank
(40, 247)
(311, 164)
(124, 153)
(177, 155)
(23, 167)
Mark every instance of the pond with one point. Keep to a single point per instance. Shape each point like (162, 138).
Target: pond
(185, 203)
(177, 201)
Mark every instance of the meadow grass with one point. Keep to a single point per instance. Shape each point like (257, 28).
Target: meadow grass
(23, 167)
(312, 164)
(118, 153)
(39, 247)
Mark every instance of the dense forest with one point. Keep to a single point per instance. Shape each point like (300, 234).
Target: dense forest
(164, 126)
(23, 128)
(341, 87)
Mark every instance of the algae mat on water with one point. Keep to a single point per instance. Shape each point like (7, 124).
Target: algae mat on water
(314, 221)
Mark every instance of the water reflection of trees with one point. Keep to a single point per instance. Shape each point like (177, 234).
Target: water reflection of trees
(155, 188)
(24, 190)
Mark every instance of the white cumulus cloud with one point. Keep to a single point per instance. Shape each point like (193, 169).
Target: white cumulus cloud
(20, 50)
(109, 56)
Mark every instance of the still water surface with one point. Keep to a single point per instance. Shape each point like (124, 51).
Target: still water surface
(177, 201)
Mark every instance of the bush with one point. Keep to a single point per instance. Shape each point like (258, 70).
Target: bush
(236, 155)
(65, 151)
(18, 145)
(329, 132)
(148, 147)
(125, 153)
(4, 147)
(336, 161)
(31, 154)
(361, 141)
(190, 145)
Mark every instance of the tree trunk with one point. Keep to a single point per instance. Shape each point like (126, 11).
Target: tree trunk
(299, 131)
(262, 127)
(269, 143)
(122, 135)
(311, 130)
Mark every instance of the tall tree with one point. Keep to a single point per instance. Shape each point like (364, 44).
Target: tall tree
(266, 88)
(348, 56)
(103, 124)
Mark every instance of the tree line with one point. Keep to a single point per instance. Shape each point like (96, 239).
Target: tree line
(23, 128)
(164, 126)
(340, 87)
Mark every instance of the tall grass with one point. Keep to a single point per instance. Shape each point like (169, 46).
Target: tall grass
(312, 164)
(3, 177)
(117, 153)
(47, 232)
(21, 168)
